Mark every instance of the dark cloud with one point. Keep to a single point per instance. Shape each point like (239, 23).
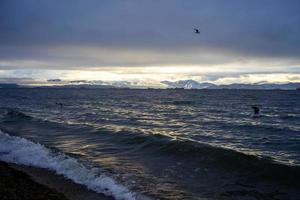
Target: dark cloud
(31, 29)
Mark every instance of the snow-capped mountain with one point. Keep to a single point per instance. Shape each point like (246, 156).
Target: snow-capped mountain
(191, 84)
(187, 84)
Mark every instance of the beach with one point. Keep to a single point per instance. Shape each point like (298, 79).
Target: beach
(28, 183)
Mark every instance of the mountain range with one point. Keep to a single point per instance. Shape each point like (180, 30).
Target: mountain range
(191, 84)
(184, 84)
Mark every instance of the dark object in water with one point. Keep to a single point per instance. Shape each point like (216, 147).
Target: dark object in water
(183, 102)
(59, 104)
(16, 113)
(256, 110)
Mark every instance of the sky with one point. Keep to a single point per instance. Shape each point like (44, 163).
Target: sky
(150, 41)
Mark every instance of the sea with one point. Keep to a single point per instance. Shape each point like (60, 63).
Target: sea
(158, 143)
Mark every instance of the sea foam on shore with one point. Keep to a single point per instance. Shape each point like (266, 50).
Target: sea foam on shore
(21, 151)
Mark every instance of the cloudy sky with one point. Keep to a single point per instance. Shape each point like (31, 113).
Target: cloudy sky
(146, 40)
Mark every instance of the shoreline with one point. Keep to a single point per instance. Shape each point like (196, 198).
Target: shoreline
(19, 182)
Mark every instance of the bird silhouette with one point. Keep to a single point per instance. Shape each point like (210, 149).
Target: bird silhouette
(196, 31)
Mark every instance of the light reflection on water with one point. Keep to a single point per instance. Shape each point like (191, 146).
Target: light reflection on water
(214, 117)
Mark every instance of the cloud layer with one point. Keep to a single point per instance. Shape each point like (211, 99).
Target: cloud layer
(236, 36)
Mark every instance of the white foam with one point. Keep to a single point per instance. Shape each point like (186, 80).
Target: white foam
(22, 151)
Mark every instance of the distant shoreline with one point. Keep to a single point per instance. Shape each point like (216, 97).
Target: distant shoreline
(172, 89)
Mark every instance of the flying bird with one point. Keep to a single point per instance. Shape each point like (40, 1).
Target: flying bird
(196, 31)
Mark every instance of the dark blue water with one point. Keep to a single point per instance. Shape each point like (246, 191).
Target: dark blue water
(169, 144)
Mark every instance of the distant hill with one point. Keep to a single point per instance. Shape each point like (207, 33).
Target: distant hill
(191, 84)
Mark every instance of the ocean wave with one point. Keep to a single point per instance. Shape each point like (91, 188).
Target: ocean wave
(212, 155)
(22, 151)
(182, 102)
(13, 114)
(197, 151)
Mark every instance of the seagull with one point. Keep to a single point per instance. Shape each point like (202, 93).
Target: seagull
(196, 31)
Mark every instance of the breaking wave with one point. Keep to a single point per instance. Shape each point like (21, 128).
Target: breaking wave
(22, 151)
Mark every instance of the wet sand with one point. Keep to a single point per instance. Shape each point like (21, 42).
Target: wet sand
(18, 182)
